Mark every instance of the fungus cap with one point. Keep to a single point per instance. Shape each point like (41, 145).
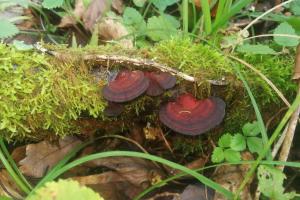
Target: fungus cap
(190, 116)
(159, 82)
(127, 86)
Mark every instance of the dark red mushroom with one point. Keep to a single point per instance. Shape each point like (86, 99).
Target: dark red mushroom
(190, 116)
(113, 109)
(159, 82)
(126, 86)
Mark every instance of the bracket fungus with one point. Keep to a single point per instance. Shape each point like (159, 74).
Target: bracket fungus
(127, 86)
(159, 82)
(190, 116)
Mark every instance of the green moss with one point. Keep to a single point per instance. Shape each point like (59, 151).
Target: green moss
(38, 97)
(41, 94)
(197, 60)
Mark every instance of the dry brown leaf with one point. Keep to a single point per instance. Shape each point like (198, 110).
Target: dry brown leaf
(118, 5)
(68, 21)
(128, 176)
(110, 29)
(43, 156)
(136, 171)
(91, 14)
(231, 177)
(196, 192)
(8, 186)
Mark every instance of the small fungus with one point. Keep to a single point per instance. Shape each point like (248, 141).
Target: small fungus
(113, 109)
(127, 86)
(190, 116)
(159, 82)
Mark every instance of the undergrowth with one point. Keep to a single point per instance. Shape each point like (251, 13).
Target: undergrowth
(42, 95)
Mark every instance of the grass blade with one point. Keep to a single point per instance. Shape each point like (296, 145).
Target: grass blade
(207, 17)
(257, 112)
(165, 181)
(13, 164)
(13, 174)
(270, 142)
(198, 176)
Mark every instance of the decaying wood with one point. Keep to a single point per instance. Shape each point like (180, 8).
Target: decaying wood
(108, 60)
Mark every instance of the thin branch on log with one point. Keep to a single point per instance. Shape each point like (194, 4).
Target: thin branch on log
(137, 62)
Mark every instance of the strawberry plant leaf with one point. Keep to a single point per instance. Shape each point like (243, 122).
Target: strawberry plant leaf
(231, 155)
(225, 140)
(7, 29)
(20, 45)
(162, 5)
(162, 27)
(238, 142)
(217, 155)
(49, 4)
(139, 3)
(134, 19)
(285, 28)
(255, 49)
(270, 181)
(255, 144)
(64, 189)
(251, 129)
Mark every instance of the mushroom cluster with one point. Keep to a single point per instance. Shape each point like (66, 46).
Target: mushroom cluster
(186, 115)
(190, 116)
(129, 85)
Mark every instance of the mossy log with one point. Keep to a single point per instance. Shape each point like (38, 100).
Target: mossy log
(44, 95)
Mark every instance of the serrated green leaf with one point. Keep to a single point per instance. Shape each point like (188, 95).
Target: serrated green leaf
(162, 27)
(7, 29)
(285, 28)
(295, 7)
(50, 4)
(231, 155)
(64, 189)
(251, 129)
(255, 144)
(270, 181)
(20, 45)
(238, 142)
(225, 140)
(163, 4)
(133, 18)
(217, 155)
(139, 3)
(255, 49)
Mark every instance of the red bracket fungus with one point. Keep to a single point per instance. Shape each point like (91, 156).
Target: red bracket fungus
(190, 116)
(159, 82)
(127, 86)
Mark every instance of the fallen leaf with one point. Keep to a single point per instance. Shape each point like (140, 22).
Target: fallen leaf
(43, 156)
(67, 20)
(231, 177)
(94, 12)
(128, 177)
(8, 186)
(196, 192)
(110, 29)
(137, 171)
(91, 14)
(118, 5)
